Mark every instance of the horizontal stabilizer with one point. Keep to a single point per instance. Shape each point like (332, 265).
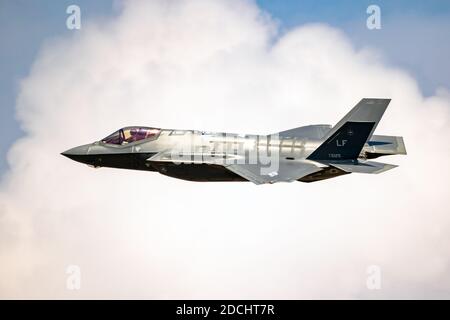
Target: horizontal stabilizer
(363, 167)
(383, 146)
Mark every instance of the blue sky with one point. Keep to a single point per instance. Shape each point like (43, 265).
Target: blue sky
(414, 36)
(205, 65)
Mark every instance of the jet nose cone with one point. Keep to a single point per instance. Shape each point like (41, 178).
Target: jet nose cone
(78, 153)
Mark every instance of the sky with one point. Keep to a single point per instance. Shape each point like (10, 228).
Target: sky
(236, 66)
(414, 37)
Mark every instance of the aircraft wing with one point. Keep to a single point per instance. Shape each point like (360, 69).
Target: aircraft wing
(287, 171)
(193, 157)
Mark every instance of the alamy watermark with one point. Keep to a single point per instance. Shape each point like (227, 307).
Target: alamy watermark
(73, 280)
(73, 21)
(373, 22)
(373, 281)
(229, 149)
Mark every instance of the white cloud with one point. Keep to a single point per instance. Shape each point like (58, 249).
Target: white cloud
(218, 65)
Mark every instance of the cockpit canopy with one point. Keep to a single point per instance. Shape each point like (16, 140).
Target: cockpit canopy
(131, 134)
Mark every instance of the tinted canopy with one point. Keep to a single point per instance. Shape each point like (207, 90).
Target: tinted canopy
(131, 134)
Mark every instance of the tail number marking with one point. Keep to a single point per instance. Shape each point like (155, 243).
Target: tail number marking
(334, 155)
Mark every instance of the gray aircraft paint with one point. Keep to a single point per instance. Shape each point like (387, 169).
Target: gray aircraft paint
(307, 154)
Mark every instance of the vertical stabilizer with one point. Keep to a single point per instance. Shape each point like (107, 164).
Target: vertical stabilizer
(346, 139)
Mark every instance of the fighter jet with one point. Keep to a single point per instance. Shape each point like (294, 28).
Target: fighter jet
(307, 154)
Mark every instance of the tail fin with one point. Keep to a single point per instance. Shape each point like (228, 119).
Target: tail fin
(346, 139)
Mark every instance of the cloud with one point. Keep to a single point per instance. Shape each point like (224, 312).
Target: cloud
(218, 65)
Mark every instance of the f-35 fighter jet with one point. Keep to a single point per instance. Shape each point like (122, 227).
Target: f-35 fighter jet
(307, 154)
